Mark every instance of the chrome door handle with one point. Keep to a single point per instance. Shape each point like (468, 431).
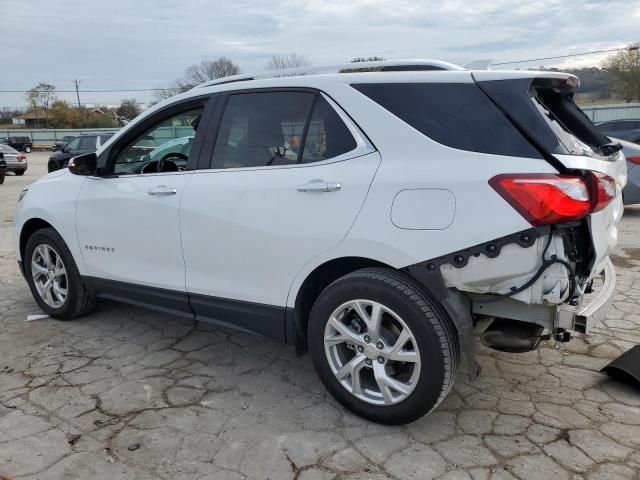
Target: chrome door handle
(319, 186)
(162, 190)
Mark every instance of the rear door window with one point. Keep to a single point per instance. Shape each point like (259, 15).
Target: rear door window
(87, 143)
(263, 129)
(458, 115)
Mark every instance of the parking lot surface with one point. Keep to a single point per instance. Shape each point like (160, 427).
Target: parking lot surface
(126, 393)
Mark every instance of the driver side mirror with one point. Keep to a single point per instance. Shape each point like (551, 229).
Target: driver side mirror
(83, 164)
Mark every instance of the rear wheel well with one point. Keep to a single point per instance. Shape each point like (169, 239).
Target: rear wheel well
(29, 228)
(320, 279)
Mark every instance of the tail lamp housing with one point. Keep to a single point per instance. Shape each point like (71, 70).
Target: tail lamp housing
(544, 199)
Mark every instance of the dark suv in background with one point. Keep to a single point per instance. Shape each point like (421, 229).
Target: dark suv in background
(628, 130)
(24, 144)
(85, 143)
(61, 143)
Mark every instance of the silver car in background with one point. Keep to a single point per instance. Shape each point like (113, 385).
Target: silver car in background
(631, 191)
(16, 161)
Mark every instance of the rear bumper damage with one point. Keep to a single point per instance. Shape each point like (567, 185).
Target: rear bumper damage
(581, 318)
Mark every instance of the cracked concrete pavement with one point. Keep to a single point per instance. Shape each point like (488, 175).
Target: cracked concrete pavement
(126, 393)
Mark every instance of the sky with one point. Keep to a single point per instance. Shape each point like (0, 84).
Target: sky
(139, 44)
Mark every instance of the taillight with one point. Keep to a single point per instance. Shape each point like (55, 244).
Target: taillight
(21, 157)
(603, 190)
(545, 198)
(634, 160)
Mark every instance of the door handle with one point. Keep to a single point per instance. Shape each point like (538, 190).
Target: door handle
(162, 190)
(320, 186)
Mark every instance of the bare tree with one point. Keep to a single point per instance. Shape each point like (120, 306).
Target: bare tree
(197, 74)
(360, 60)
(42, 95)
(624, 67)
(210, 70)
(293, 60)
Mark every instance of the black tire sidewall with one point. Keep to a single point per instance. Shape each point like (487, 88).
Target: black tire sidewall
(50, 237)
(432, 374)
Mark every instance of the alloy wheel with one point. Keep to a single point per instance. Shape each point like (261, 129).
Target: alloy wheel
(49, 275)
(372, 352)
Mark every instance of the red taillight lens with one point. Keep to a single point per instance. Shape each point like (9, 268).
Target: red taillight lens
(21, 157)
(545, 198)
(603, 190)
(634, 160)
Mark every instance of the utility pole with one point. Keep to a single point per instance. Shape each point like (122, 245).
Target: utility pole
(77, 83)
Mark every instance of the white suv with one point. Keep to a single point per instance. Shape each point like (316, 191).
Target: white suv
(372, 217)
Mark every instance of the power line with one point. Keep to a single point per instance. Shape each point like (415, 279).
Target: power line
(98, 91)
(568, 56)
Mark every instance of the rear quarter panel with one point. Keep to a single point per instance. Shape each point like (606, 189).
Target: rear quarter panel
(410, 160)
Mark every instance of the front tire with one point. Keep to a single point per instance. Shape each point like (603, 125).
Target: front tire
(27, 149)
(53, 276)
(382, 346)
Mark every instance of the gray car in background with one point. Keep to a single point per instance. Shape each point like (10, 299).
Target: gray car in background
(631, 192)
(16, 161)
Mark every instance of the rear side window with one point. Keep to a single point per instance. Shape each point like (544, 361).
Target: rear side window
(458, 115)
(279, 128)
(87, 143)
(327, 135)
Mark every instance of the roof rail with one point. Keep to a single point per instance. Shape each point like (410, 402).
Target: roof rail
(388, 65)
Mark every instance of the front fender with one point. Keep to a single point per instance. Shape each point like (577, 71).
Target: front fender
(53, 200)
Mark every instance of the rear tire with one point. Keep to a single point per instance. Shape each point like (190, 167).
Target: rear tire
(19, 172)
(27, 149)
(2, 178)
(386, 384)
(46, 256)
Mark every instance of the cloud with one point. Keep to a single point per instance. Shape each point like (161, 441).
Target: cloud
(146, 44)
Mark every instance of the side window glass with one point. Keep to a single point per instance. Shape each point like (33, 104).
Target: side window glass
(165, 147)
(87, 143)
(73, 144)
(261, 129)
(327, 136)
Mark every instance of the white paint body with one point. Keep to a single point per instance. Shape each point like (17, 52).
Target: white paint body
(249, 234)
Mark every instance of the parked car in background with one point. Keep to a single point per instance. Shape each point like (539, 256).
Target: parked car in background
(24, 144)
(85, 143)
(631, 191)
(3, 168)
(61, 143)
(624, 129)
(16, 161)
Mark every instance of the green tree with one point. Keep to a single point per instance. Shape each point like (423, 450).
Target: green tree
(40, 97)
(624, 67)
(62, 115)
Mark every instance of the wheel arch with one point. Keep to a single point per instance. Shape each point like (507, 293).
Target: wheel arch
(314, 283)
(29, 228)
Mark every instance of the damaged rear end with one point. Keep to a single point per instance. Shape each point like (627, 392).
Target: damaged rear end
(556, 276)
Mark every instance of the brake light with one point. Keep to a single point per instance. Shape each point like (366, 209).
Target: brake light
(545, 198)
(634, 160)
(21, 157)
(603, 190)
